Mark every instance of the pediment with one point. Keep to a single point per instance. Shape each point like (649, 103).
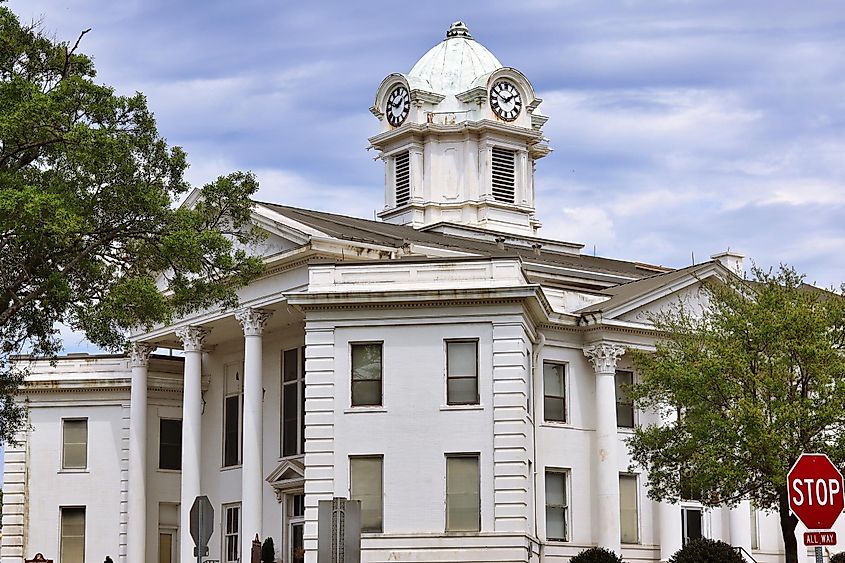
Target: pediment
(637, 302)
(288, 476)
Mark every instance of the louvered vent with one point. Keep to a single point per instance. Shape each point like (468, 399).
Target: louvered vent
(401, 167)
(503, 174)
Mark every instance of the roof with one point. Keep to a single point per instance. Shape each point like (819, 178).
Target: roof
(387, 234)
(453, 65)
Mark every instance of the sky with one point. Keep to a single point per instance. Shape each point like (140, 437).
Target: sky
(680, 128)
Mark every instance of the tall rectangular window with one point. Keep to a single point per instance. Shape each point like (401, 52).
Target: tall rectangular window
(463, 493)
(504, 174)
(232, 419)
(365, 484)
(366, 374)
(628, 509)
(402, 177)
(755, 534)
(461, 372)
(293, 402)
(231, 533)
(624, 404)
(554, 392)
(72, 548)
(170, 444)
(74, 443)
(557, 506)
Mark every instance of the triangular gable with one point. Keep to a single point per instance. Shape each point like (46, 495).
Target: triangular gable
(637, 301)
(288, 476)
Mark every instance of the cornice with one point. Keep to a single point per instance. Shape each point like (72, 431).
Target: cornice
(475, 127)
(411, 299)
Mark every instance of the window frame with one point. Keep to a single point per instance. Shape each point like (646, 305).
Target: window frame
(299, 383)
(64, 466)
(564, 389)
(567, 495)
(161, 420)
(352, 345)
(622, 403)
(465, 455)
(380, 458)
(446, 343)
(62, 536)
(637, 506)
(225, 534)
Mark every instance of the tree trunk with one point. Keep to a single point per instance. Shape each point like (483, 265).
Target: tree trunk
(787, 527)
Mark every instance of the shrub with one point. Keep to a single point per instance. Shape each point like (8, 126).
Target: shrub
(838, 557)
(268, 551)
(596, 555)
(707, 551)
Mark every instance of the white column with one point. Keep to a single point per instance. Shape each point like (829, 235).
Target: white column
(252, 475)
(739, 522)
(670, 529)
(604, 356)
(139, 354)
(192, 339)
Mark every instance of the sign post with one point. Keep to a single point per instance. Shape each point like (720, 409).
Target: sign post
(816, 498)
(202, 525)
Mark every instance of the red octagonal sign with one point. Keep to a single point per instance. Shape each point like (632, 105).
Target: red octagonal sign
(816, 495)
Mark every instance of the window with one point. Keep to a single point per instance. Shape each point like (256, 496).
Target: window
(231, 533)
(461, 372)
(168, 528)
(504, 174)
(232, 420)
(296, 528)
(72, 549)
(74, 443)
(402, 177)
(170, 444)
(293, 402)
(624, 404)
(366, 375)
(463, 493)
(365, 484)
(557, 506)
(554, 392)
(628, 509)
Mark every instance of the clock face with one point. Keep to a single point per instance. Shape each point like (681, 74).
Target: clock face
(505, 100)
(398, 106)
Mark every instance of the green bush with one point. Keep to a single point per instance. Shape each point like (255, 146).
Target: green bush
(268, 551)
(838, 557)
(706, 551)
(596, 555)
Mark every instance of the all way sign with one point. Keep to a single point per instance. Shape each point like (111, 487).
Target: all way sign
(819, 538)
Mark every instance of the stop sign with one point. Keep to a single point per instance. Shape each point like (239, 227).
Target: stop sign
(816, 494)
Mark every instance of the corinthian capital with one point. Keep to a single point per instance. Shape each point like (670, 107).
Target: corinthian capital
(139, 353)
(192, 337)
(604, 356)
(253, 320)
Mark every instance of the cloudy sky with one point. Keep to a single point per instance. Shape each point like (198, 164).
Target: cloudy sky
(680, 128)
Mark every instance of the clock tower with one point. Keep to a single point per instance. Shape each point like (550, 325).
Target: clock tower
(459, 137)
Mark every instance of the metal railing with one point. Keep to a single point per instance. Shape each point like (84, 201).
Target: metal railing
(742, 551)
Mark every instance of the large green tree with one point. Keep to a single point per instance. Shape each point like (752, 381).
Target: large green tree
(745, 386)
(88, 218)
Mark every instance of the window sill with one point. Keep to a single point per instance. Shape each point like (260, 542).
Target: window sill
(175, 471)
(230, 467)
(352, 410)
(71, 471)
(556, 424)
(462, 407)
(462, 534)
(555, 541)
(624, 429)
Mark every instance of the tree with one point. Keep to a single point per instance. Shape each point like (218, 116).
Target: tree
(88, 222)
(744, 386)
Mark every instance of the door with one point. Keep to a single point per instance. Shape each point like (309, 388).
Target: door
(691, 524)
(166, 546)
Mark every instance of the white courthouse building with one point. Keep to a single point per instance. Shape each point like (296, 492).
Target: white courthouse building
(448, 366)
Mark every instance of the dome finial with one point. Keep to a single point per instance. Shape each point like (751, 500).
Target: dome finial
(458, 29)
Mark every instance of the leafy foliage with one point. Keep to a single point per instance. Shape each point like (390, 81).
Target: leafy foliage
(706, 551)
(89, 234)
(596, 555)
(268, 551)
(838, 557)
(745, 388)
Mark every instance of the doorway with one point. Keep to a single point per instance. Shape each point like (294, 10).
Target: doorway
(692, 523)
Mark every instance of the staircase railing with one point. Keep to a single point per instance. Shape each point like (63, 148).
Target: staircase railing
(742, 551)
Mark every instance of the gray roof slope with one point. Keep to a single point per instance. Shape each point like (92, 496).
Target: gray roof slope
(388, 234)
(627, 291)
